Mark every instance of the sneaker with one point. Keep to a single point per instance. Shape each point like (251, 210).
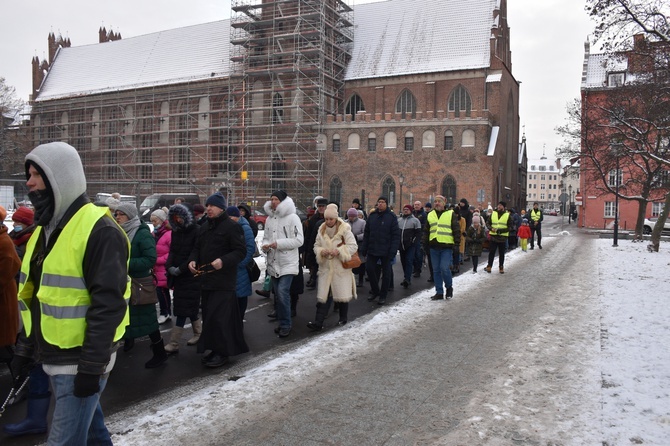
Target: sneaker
(284, 332)
(417, 274)
(273, 315)
(450, 292)
(163, 319)
(341, 323)
(487, 269)
(382, 301)
(437, 296)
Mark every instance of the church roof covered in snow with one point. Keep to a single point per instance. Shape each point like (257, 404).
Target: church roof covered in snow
(391, 38)
(399, 37)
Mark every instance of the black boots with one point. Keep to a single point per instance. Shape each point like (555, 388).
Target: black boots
(159, 357)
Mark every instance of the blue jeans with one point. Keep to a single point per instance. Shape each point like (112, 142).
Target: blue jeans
(441, 260)
(407, 260)
(76, 421)
(281, 286)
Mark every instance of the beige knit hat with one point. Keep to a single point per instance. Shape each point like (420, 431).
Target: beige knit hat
(331, 211)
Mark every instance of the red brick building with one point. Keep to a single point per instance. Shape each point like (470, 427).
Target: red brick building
(313, 97)
(608, 84)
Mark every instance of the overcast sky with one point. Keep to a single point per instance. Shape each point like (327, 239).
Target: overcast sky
(547, 45)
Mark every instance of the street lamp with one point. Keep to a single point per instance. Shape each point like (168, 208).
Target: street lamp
(401, 179)
(569, 203)
(616, 204)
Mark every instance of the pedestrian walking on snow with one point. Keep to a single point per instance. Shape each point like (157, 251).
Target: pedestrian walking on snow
(335, 243)
(442, 235)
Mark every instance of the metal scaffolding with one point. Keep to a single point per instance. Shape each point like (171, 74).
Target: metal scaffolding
(288, 59)
(249, 133)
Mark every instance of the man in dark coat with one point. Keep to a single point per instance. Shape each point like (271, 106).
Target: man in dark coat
(218, 250)
(380, 244)
(419, 251)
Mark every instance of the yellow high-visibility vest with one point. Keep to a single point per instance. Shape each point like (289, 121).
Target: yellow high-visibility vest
(440, 229)
(535, 215)
(63, 295)
(499, 225)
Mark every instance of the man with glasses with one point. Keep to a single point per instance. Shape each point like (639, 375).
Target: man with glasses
(380, 244)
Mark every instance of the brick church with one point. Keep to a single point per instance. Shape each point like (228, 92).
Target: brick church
(399, 98)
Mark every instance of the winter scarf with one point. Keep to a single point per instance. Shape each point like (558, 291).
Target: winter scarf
(130, 227)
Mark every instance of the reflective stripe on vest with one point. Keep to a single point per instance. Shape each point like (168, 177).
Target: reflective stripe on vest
(63, 295)
(440, 229)
(499, 227)
(535, 215)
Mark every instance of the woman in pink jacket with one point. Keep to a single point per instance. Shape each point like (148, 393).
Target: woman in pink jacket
(163, 236)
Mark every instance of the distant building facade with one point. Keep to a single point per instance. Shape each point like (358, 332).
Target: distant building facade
(544, 182)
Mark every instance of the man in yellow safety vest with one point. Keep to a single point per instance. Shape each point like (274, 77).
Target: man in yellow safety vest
(500, 223)
(73, 293)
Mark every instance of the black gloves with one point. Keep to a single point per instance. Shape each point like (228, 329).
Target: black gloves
(174, 270)
(20, 367)
(86, 385)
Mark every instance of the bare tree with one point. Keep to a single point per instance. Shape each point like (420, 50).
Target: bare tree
(627, 126)
(10, 108)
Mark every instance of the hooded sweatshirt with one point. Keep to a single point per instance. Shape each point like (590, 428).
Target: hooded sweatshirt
(104, 269)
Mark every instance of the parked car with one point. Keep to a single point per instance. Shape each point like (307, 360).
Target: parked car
(553, 212)
(649, 224)
(259, 217)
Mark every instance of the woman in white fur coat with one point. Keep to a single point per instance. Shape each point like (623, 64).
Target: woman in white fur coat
(335, 243)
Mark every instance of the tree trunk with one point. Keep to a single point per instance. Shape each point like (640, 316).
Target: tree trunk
(658, 228)
(639, 224)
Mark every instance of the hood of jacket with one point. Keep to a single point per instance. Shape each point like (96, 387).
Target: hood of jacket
(284, 208)
(181, 211)
(62, 166)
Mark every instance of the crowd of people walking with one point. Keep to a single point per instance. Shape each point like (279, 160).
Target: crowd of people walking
(81, 280)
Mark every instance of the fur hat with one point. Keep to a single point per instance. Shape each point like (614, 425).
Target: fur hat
(233, 211)
(331, 211)
(216, 199)
(279, 194)
(159, 214)
(322, 202)
(23, 215)
(129, 209)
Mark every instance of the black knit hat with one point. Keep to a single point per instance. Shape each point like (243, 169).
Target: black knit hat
(217, 199)
(279, 194)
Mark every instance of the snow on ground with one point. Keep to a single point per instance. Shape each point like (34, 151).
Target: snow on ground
(630, 405)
